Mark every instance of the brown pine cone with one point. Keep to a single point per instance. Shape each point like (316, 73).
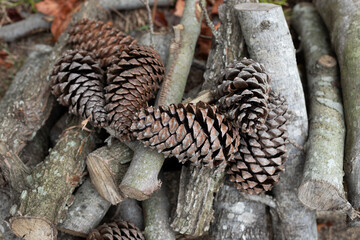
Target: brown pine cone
(133, 79)
(197, 133)
(77, 82)
(99, 38)
(257, 166)
(119, 230)
(242, 91)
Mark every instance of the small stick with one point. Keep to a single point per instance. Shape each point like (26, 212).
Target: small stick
(216, 34)
(146, 3)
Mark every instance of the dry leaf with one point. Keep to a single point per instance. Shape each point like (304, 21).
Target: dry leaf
(62, 12)
(179, 8)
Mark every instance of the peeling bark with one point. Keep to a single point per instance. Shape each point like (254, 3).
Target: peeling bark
(269, 42)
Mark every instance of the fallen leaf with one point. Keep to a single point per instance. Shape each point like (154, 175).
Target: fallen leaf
(160, 20)
(179, 8)
(62, 12)
(5, 64)
(204, 41)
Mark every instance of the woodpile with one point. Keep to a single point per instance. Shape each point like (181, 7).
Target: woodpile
(263, 153)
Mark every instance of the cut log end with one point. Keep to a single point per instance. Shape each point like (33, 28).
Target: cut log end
(33, 228)
(321, 195)
(256, 6)
(139, 194)
(327, 61)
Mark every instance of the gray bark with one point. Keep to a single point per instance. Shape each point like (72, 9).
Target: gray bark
(237, 218)
(322, 185)
(156, 211)
(86, 212)
(269, 42)
(342, 18)
(33, 24)
(131, 211)
(132, 4)
(194, 209)
(5, 205)
(51, 184)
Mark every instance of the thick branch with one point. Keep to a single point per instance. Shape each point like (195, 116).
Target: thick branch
(156, 211)
(86, 212)
(269, 42)
(141, 181)
(33, 24)
(44, 204)
(132, 4)
(322, 185)
(238, 218)
(342, 19)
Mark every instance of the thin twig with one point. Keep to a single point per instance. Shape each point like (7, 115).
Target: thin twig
(216, 34)
(146, 3)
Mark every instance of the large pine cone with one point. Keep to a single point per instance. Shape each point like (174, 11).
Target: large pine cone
(77, 82)
(119, 230)
(133, 79)
(262, 155)
(188, 132)
(99, 38)
(242, 91)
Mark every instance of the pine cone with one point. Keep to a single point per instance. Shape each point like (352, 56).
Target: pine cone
(243, 91)
(133, 79)
(119, 230)
(99, 38)
(262, 155)
(77, 82)
(188, 132)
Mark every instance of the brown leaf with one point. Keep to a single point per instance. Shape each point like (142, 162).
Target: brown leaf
(61, 10)
(5, 64)
(179, 8)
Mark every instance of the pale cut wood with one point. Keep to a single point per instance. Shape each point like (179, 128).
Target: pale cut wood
(86, 212)
(269, 42)
(107, 166)
(342, 18)
(322, 185)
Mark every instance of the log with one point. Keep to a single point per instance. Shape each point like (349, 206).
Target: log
(131, 211)
(86, 212)
(107, 166)
(322, 184)
(23, 110)
(342, 19)
(28, 102)
(34, 23)
(194, 209)
(156, 211)
(45, 202)
(238, 218)
(141, 179)
(269, 42)
(131, 4)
